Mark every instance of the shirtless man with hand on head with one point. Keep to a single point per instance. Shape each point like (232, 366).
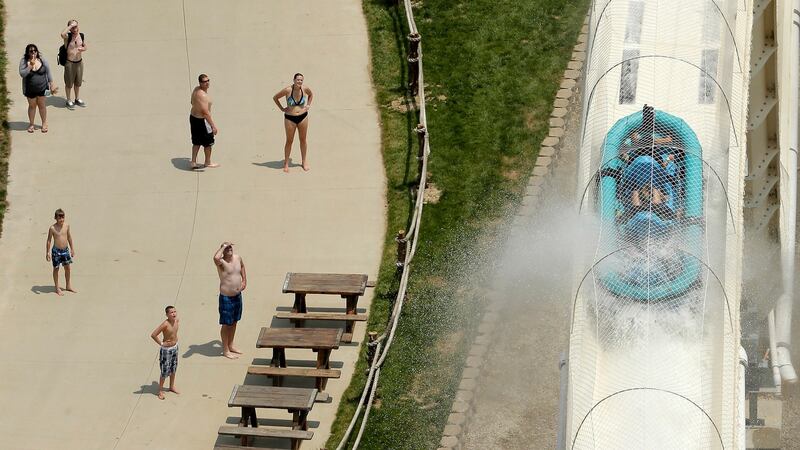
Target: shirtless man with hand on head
(201, 124)
(232, 281)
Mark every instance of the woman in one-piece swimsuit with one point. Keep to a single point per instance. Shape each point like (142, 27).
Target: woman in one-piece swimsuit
(295, 117)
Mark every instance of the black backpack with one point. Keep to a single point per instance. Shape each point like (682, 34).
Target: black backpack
(62, 52)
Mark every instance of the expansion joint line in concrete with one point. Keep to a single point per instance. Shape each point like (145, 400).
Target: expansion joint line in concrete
(188, 246)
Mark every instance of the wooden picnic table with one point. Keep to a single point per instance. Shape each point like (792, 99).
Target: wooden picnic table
(297, 401)
(348, 286)
(320, 340)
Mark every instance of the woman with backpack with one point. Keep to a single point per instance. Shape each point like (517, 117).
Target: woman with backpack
(37, 83)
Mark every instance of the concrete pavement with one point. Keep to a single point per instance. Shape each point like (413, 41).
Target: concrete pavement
(78, 371)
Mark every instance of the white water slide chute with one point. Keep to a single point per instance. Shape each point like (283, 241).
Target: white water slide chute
(654, 340)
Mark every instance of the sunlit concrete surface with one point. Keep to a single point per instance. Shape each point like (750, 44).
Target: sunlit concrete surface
(78, 371)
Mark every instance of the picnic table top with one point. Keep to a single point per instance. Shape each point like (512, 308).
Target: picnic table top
(313, 338)
(301, 399)
(325, 283)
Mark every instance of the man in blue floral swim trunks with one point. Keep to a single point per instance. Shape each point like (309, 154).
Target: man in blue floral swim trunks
(232, 281)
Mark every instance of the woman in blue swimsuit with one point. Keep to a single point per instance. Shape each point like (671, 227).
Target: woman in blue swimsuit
(295, 117)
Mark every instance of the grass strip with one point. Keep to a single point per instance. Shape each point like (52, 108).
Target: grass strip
(492, 68)
(5, 143)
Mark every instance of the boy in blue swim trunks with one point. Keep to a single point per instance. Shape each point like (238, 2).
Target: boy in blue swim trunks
(62, 250)
(168, 349)
(232, 281)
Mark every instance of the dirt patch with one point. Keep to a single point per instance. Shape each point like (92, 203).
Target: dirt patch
(531, 122)
(512, 175)
(432, 194)
(400, 104)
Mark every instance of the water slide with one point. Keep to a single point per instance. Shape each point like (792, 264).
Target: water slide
(654, 340)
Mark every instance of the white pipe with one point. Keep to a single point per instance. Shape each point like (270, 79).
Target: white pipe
(742, 398)
(783, 308)
(776, 373)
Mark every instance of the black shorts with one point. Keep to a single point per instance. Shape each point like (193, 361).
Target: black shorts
(34, 94)
(200, 134)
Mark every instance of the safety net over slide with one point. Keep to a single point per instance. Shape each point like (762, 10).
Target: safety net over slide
(654, 337)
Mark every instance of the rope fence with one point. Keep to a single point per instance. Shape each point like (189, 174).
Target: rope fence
(378, 346)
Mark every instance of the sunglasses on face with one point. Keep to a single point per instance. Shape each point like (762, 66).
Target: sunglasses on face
(205, 81)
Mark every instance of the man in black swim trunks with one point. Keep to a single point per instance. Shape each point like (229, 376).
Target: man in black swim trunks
(201, 124)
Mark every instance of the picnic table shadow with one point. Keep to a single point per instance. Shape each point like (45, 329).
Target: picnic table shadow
(277, 164)
(210, 349)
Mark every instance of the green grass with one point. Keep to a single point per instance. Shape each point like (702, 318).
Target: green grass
(5, 143)
(492, 68)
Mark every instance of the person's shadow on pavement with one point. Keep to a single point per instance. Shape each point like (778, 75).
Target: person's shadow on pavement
(277, 164)
(151, 388)
(210, 349)
(43, 289)
(184, 164)
(19, 126)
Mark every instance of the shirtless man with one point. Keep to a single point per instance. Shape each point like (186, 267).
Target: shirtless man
(168, 349)
(232, 281)
(201, 124)
(62, 250)
(73, 67)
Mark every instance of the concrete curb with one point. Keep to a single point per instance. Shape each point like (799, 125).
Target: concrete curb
(462, 408)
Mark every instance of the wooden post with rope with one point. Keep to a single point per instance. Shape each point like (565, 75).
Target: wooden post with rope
(421, 132)
(373, 342)
(413, 63)
(401, 249)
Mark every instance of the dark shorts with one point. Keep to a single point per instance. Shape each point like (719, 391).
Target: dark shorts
(168, 360)
(200, 134)
(34, 93)
(60, 256)
(230, 309)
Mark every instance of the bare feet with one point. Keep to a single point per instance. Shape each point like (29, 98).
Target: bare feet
(286, 169)
(211, 165)
(235, 350)
(71, 289)
(31, 128)
(194, 166)
(160, 394)
(172, 389)
(306, 167)
(230, 355)
(59, 291)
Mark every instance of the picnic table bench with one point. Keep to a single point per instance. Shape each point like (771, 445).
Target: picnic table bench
(298, 401)
(348, 286)
(320, 340)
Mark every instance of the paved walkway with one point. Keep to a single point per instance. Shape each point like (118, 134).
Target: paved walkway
(78, 371)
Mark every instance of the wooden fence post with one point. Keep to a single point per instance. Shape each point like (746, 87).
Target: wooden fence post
(421, 132)
(401, 249)
(413, 62)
